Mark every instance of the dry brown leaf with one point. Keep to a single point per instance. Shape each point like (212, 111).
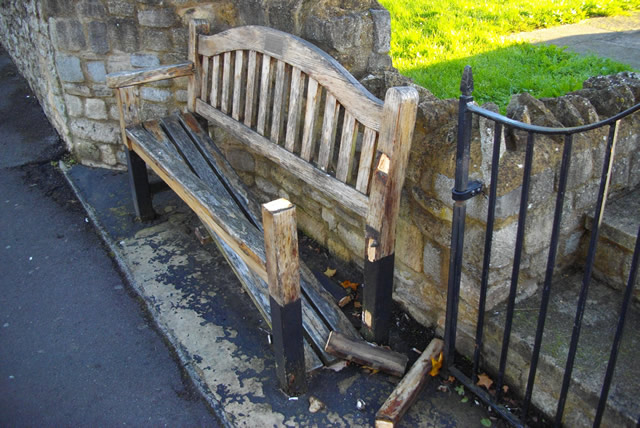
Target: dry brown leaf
(349, 284)
(451, 379)
(357, 305)
(484, 380)
(330, 272)
(435, 365)
(345, 301)
(505, 388)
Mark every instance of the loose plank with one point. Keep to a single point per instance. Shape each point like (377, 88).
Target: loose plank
(406, 392)
(147, 75)
(364, 353)
(327, 185)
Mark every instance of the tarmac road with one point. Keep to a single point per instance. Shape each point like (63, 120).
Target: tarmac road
(76, 348)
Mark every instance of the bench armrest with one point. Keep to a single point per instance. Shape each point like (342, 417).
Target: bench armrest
(137, 77)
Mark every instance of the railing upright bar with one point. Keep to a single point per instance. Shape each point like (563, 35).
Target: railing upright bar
(633, 276)
(486, 263)
(582, 300)
(551, 263)
(459, 215)
(522, 218)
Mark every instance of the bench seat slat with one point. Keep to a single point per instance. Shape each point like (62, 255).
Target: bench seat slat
(311, 113)
(349, 197)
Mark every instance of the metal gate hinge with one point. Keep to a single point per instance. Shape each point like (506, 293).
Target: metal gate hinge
(474, 188)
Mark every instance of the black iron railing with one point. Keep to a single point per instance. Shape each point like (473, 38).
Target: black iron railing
(464, 190)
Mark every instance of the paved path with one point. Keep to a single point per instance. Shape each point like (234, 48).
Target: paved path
(615, 37)
(75, 348)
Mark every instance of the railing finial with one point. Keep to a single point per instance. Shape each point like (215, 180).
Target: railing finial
(466, 85)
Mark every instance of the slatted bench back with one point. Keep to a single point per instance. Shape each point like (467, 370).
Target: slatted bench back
(294, 104)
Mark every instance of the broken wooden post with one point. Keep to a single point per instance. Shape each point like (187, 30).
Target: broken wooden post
(366, 354)
(394, 142)
(409, 387)
(283, 272)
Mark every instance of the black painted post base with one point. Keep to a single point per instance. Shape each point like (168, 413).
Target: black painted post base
(288, 346)
(139, 184)
(377, 299)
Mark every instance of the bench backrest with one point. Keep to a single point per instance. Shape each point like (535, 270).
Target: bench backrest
(292, 103)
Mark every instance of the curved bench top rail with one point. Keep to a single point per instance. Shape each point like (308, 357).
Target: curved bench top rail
(311, 60)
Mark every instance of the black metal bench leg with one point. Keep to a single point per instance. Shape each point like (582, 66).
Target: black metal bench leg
(139, 183)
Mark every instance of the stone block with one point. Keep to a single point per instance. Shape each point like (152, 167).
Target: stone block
(95, 109)
(123, 34)
(76, 89)
(118, 62)
(98, 37)
(92, 130)
(154, 94)
(580, 170)
(114, 113)
(182, 96)
(336, 248)
(121, 7)
(69, 69)
(381, 30)
(409, 245)
(90, 8)
(74, 105)
(108, 155)
(96, 71)
(311, 226)
(241, 160)
(156, 40)
(329, 218)
(538, 229)
(352, 238)
(162, 18)
(102, 91)
(86, 150)
(266, 186)
(144, 60)
(432, 262)
(68, 34)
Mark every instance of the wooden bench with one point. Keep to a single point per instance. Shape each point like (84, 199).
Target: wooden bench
(290, 102)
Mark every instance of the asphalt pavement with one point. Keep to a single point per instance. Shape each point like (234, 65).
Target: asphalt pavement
(77, 347)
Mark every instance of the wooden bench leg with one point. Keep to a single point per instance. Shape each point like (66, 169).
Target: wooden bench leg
(377, 298)
(139, 183)
(283, 270)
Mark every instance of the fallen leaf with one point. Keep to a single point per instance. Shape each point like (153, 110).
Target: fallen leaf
(505, 388)
(315, 405)
(345, 301)
(443, 388)
(336, 367)
(484, 380)
(329, 272)
(459, 389)
(465, 400)
(349, 284)
(435, 365)
(451, 379)
(485, 422)
(357, 305)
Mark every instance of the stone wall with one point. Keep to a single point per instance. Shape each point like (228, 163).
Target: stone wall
(65, 48)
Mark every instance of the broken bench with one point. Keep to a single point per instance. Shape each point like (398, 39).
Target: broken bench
(288, 101)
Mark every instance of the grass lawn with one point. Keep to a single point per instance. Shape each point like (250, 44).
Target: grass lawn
(432, 41)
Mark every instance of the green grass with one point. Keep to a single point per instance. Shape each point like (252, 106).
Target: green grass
(432, 41)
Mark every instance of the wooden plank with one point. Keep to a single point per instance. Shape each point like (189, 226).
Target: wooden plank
(223, 169)
(406, 392)
(257, 290)
(295, 103)
(276, 108)
(218, 213)
(215, 81)
(251, 89)
(311, 60)
(204, 84)
(237, 85)
(281, 248)
(226, 82)
(310, 116)
(128, 100)
(328, 139)
(366, 159)
(349, 197)
(196, 27)
(347, 148)
(147, 75)
(366, 354)
(394, 142)
(265, 84)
